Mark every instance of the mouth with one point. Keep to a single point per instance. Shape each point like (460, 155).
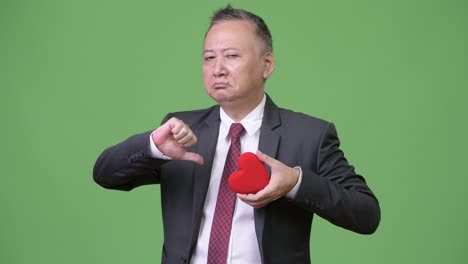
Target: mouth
(220, 85)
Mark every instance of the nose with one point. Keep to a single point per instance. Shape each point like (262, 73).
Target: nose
(219, 68)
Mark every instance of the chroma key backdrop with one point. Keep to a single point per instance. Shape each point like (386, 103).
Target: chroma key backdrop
(79, 76)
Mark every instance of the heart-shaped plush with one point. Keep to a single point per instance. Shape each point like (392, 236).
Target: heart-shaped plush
(251, 177)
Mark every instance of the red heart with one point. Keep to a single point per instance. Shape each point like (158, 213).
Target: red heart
(251, 177)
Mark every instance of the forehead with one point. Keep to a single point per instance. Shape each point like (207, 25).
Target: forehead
(236, 33)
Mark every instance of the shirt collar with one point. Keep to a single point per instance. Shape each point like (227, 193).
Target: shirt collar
(251, 122)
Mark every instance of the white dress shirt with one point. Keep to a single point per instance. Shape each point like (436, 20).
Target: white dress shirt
(243, 245)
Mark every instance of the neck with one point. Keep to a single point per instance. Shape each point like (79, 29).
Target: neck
(238, 111)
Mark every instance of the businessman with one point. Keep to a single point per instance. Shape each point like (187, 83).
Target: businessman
(192, 154)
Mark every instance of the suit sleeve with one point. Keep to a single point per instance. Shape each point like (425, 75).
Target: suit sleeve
(128, 164)
(335, 192)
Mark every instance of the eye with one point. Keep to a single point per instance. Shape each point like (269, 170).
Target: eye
(232, 56)
(208, 58)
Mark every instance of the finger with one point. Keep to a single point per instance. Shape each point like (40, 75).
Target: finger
(193, 157)
(245, 198)
(241, 195)
(191, 141)
(183, 132)
(259, 204)
(176, 125)
(252, 197)
(265, 158)
(160, 134)
(256, 204)
(187, 139)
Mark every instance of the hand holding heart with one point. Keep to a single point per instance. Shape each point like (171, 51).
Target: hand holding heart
(282, 180)
(251, 177)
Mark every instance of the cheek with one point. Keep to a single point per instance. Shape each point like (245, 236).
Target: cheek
(206, 74)
(204, 70)
(247, 74)
(207, 80)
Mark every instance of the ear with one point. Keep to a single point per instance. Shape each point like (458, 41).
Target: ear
(268, 65)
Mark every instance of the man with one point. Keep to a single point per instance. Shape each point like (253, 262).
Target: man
(191, 154)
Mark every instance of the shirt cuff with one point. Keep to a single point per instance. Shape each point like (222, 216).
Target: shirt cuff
(154, 151)
(293, 192)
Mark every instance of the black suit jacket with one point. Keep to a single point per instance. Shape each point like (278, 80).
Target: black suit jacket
(330, 187)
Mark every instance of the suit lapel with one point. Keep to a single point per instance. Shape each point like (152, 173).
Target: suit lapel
(206, 147)
(268, 144)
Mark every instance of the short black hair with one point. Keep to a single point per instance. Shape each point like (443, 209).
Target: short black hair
(229, 13)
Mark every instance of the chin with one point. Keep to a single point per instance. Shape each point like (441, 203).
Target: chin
(219, 96)
(221, 100)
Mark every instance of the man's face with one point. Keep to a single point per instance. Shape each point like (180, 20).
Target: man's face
(234, 63)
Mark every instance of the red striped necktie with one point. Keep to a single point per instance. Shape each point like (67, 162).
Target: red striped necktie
(222, 219)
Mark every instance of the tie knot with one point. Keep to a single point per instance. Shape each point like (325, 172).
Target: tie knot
(236, 131)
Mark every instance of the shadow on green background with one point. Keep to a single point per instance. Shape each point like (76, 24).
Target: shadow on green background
(79, 76)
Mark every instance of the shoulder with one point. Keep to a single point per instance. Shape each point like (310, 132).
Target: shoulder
(290, 117)
(304, 129)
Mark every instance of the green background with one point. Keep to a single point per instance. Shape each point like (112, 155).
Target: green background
(79, 76)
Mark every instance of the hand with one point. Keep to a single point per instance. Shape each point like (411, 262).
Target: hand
(172, 139)
(282, 180)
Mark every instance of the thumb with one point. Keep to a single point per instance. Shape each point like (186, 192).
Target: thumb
(197, 158)
(265, 158)
(160, 134)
